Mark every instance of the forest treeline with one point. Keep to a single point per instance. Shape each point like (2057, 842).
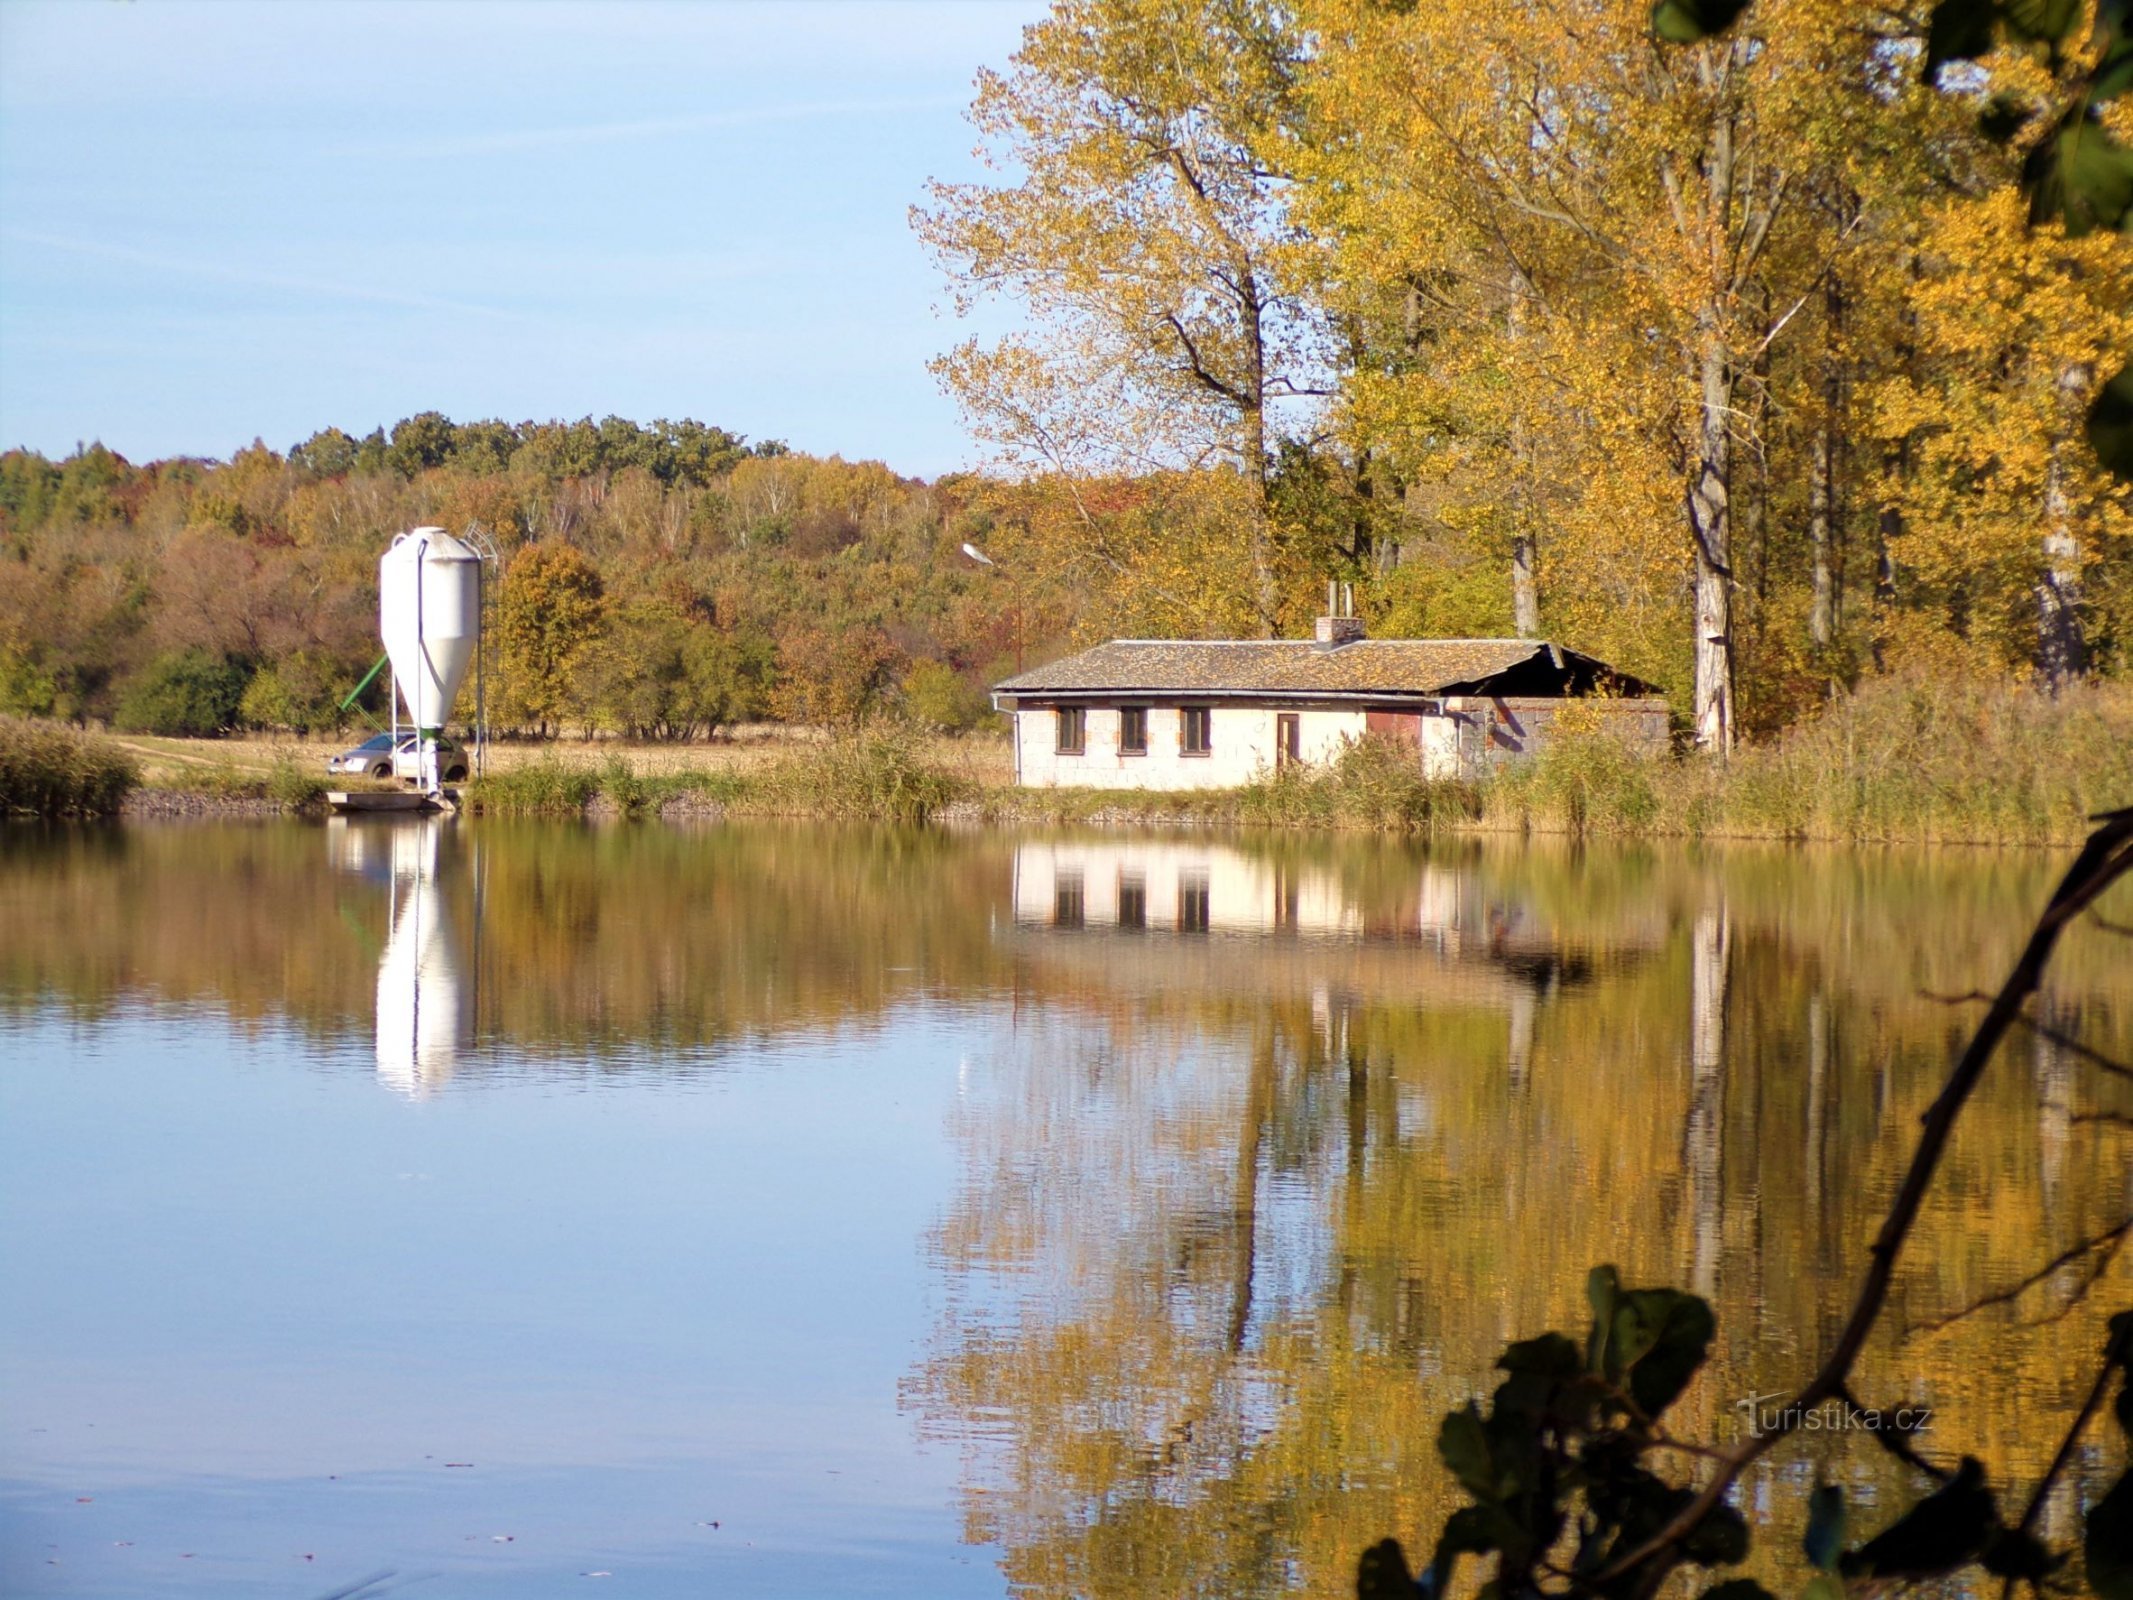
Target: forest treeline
(1752, 363)
(658, 581)
(1756, 365)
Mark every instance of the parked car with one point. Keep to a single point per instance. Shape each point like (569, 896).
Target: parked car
(379, 757)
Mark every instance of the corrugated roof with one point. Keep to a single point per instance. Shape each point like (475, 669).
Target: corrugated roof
(1278, 666)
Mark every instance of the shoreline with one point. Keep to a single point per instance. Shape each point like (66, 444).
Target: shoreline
(1191, 811)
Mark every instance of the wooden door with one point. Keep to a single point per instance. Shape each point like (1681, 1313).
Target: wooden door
(1288, 738)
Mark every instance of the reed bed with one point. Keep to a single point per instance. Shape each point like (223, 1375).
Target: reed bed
(48, 770)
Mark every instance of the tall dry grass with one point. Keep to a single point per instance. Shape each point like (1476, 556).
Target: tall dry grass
(1915, 760)
(47, 770)
(885, 772)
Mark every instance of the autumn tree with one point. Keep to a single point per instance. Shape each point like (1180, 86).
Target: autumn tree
(1175, 305)
(549, 613)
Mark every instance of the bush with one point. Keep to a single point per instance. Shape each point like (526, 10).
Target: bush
(878, 771)
(50, 771)
(188, 694)
(938, 696)
(26, 689)
(299, 695)
(1374, 783)
(544, 788)
(1584, 777)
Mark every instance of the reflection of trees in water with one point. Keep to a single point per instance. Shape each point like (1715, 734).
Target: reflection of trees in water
(1244, 1213)
(1206, 1308)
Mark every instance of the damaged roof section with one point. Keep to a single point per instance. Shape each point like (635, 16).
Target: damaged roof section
(1361, 669)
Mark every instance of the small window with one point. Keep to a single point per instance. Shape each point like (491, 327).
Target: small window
(1132, 730)
(1073, 730)
(1069, 907)
(1196, 735)
(1132, 900)
(1193, 904)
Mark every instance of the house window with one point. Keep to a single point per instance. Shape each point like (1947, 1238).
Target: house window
(1073, 729)
(1132, 730)
(1196, 735)
(1193, 904)
(1069, 907)
(1132, 900)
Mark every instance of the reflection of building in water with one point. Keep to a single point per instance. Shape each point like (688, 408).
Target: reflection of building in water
(1149, 916)
(425, 1006)
(1194, 886)
(1148, 884)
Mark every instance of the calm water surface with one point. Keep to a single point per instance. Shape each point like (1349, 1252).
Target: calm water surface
(486, 1209)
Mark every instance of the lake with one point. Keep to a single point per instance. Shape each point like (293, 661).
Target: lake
(501, 1209)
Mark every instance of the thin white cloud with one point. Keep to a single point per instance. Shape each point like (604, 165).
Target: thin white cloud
(510, 140)
(223, 272)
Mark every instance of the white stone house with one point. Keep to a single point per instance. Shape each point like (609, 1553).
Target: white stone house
(1214, 714)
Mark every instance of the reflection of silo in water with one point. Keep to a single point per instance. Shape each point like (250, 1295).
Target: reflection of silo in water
(425, 1012)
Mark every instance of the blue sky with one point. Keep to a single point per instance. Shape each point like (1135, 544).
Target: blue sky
(227, 219)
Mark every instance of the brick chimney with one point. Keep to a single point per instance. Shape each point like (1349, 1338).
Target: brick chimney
(1339, 625)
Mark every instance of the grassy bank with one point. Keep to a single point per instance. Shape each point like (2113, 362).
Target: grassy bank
(1901, 761)
(887, 773)
(1913, 761)
(47, 770)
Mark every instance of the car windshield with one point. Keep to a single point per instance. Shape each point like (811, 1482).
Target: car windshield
(383, 741)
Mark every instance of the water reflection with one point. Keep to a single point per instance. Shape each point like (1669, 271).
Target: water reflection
(1229, 1249)
(1264, 1148)
(426, 978)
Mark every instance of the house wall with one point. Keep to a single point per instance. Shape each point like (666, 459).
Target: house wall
(1243, 740)
(1471, 734)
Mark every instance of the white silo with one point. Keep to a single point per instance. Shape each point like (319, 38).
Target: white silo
(429, 615)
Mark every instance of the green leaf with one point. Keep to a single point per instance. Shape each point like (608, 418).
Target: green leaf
(1603, 1287)
(1719, 1540)
(2111, 433)
(1824, 1540)
(1687, 21)
(2081, 175)
(1549, 1356)
(1469, 1531)
(2011, 1553)
(2108, 1548)
(1823, 1586)
(1659, 1339)
(1382, 1574)
(2041, 21)
(1961, 30)
(1943, 1531)
(1463, 1443)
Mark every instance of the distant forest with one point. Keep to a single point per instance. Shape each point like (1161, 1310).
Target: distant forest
(658, 581)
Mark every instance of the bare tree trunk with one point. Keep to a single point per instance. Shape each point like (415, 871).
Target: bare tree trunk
(1244, 1207)
(1525, 591)
(2062, 650)
(1252, 417)
(1822, 479)
(1704, 1137)
(1710, 524)
(1822, 611)
(1525, 595)
(1710, 490)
